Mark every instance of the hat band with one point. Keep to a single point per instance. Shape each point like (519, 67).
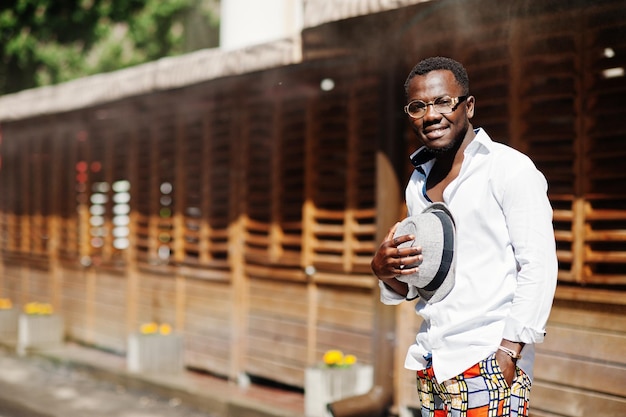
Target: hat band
(448, 252)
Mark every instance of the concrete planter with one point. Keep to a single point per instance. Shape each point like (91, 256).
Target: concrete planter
(325, 385)
(8, 326)
(155, 353)
(39, 332)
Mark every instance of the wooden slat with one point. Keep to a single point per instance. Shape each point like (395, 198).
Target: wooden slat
(598, 345)
(273, 272)
(272, 370)
(344, 317)
(555, 399)
(292, 330)
(276, 305)
(357, 344)
(599, 377)
(208, 325)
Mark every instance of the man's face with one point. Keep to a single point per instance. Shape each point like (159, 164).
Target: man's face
(440, 132)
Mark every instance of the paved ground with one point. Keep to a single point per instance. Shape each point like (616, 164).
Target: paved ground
(74, 381)
(38, 387)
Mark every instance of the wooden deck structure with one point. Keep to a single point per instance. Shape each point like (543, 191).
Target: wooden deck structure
(243, 209)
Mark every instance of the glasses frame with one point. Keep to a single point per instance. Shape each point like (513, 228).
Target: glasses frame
(455, 102)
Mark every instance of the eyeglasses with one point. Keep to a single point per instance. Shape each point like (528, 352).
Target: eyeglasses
(443, 105)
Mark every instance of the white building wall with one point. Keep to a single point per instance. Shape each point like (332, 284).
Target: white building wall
(250, 22)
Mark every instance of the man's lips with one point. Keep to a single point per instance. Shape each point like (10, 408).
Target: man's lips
(435, 132)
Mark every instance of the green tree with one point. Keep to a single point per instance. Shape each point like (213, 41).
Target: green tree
(46, 42)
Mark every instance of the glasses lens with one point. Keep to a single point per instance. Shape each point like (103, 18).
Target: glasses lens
(416, 108)
(444, 105)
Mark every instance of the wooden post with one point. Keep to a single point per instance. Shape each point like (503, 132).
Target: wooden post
(179, 220)
(275, 235)
(204, 245)
(308, 215)
(352, 173)
(516, 88)
(154, 194)
(389, 203)
(25, 224)
(236, 238)
(132, 271)
(90, 303)
(388, 212)
(578, 244)
(85, 251)
(581, 162)
(54, 219)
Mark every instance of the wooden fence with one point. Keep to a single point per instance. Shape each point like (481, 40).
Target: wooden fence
(244, 210)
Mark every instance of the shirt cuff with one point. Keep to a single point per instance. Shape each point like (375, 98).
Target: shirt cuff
(389, 296)
(515, 331)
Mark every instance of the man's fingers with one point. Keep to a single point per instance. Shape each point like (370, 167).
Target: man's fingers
(398, 240)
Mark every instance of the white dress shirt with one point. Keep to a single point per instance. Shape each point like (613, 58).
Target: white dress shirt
(506, 266)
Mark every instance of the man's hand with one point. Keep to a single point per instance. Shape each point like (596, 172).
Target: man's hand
(507, 366)
(389, 261)
(506, 363)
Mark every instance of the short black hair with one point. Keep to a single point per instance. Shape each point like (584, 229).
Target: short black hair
(439, 63)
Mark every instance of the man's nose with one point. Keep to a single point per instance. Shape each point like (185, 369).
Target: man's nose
(431, 113)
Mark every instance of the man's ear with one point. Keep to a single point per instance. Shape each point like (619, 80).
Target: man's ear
(469, 106)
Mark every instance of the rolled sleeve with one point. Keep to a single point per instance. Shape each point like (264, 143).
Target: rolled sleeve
(389, 296)
(515, 330)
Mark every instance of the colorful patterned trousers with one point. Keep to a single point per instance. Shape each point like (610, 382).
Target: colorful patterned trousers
(481, 391)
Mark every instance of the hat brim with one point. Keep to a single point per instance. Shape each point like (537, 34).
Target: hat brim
(444, 279)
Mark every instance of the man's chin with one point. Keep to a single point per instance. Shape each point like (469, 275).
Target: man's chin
(440, 149)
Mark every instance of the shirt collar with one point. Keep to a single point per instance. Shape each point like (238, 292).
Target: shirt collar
(481, 140)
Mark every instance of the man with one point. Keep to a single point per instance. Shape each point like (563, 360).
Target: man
(474, 352)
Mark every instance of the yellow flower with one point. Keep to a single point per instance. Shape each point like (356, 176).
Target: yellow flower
(5, 304)
(349, 360)
(333, 357)
(165, 329)
(149, 328)
(35, 308)
(30, 308)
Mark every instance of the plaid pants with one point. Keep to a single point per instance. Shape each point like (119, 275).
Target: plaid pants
(480, 391)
